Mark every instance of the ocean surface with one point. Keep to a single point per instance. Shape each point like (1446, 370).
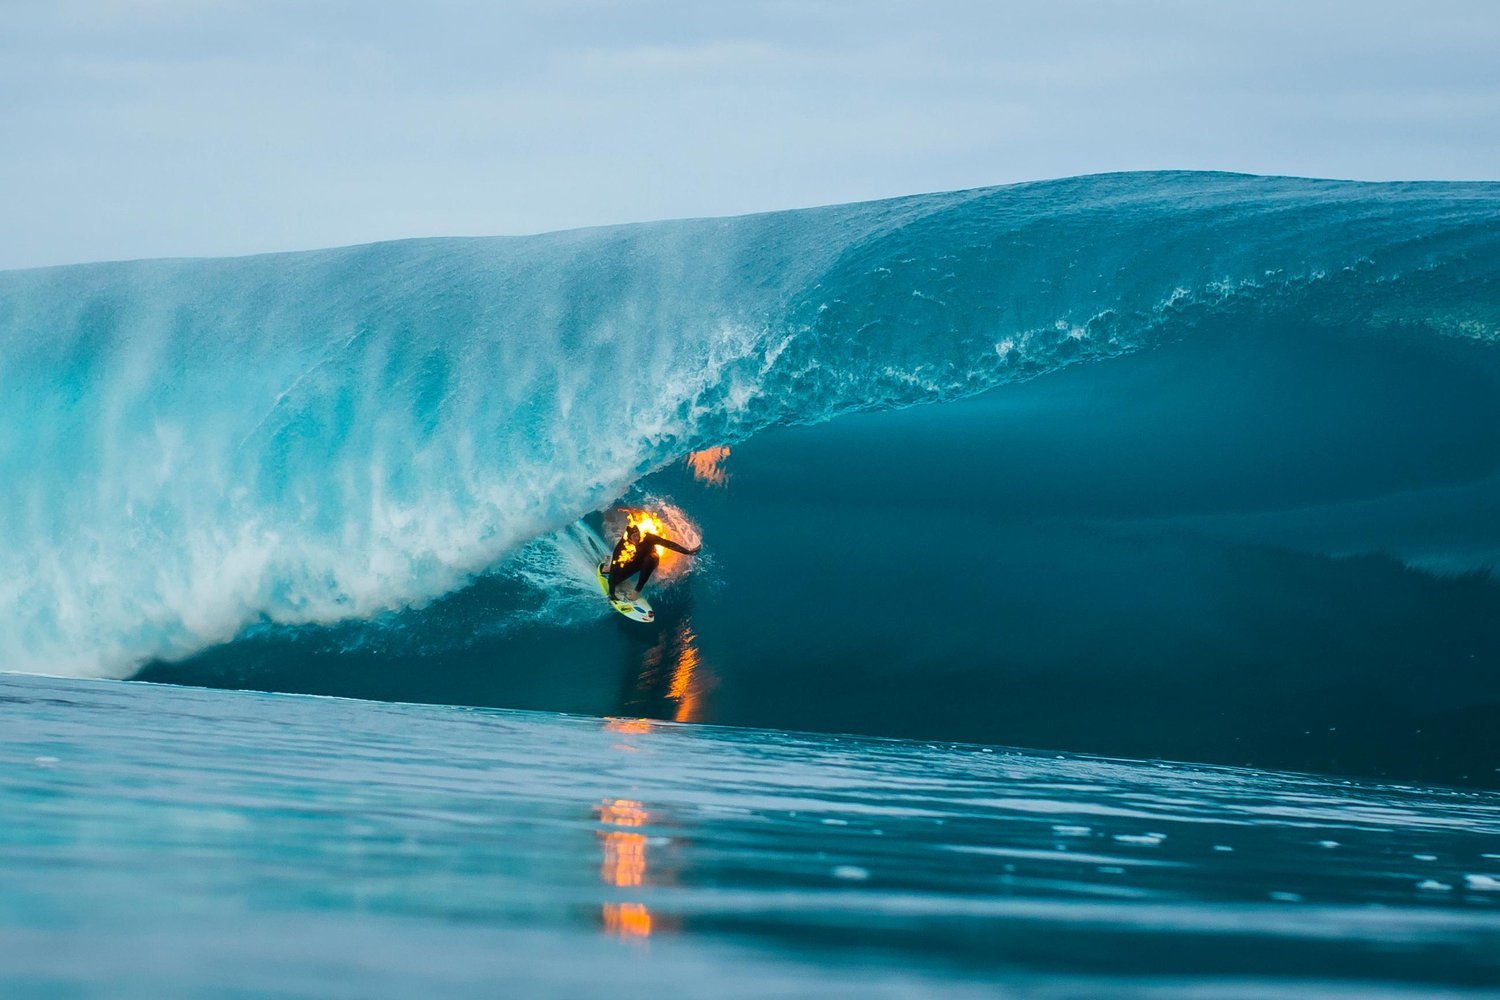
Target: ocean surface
(1124, 469)
(170, 841)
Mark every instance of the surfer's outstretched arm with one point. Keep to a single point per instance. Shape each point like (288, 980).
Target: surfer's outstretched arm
(668, 544)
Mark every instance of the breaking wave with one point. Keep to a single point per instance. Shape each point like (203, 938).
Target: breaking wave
(195, 450)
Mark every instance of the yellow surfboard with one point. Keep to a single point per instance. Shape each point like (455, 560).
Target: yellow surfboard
(638, 610)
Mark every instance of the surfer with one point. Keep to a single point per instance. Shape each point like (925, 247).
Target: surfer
(636, 552)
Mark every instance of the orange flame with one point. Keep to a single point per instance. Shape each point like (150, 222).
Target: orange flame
(644, 521)
(677, 527)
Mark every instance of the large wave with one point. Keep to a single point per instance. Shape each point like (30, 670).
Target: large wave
(191, 448)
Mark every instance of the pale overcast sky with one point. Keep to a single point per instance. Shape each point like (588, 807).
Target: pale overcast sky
(136, 128)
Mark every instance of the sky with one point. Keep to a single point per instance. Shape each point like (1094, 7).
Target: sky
(149, 128)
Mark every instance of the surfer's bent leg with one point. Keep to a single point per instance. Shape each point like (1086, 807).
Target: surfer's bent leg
(652, 561)
(617, 576)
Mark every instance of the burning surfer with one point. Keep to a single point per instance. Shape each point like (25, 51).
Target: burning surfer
(639, 551)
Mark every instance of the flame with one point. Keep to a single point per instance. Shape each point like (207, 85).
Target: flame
(707, 465)
(647, 523)
(673, 523)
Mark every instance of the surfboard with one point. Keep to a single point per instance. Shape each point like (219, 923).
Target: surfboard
(638, 610)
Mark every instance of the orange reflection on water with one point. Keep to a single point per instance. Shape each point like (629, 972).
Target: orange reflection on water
(623, 812)
(687, 687)
(627, 919)
(624, 859)
(707, 465)
(624, 865)
(629, 726)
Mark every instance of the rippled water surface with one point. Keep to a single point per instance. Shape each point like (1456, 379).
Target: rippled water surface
(173, 841)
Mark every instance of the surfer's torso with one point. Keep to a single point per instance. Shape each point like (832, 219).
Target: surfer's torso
(637, 552)
(630, 556)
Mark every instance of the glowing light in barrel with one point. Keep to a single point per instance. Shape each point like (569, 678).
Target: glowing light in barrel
(707, 465)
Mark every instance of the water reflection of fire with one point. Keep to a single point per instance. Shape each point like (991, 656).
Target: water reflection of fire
(628, 725)
(707, 465)
(673, 682)
(687, 688)
(627, 919)
(624, 865)
(624, 853)
(672, 670)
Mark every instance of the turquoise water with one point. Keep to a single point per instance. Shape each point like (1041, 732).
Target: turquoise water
(164, 841)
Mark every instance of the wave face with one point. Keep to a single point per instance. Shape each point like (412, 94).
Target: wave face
(334, 459)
